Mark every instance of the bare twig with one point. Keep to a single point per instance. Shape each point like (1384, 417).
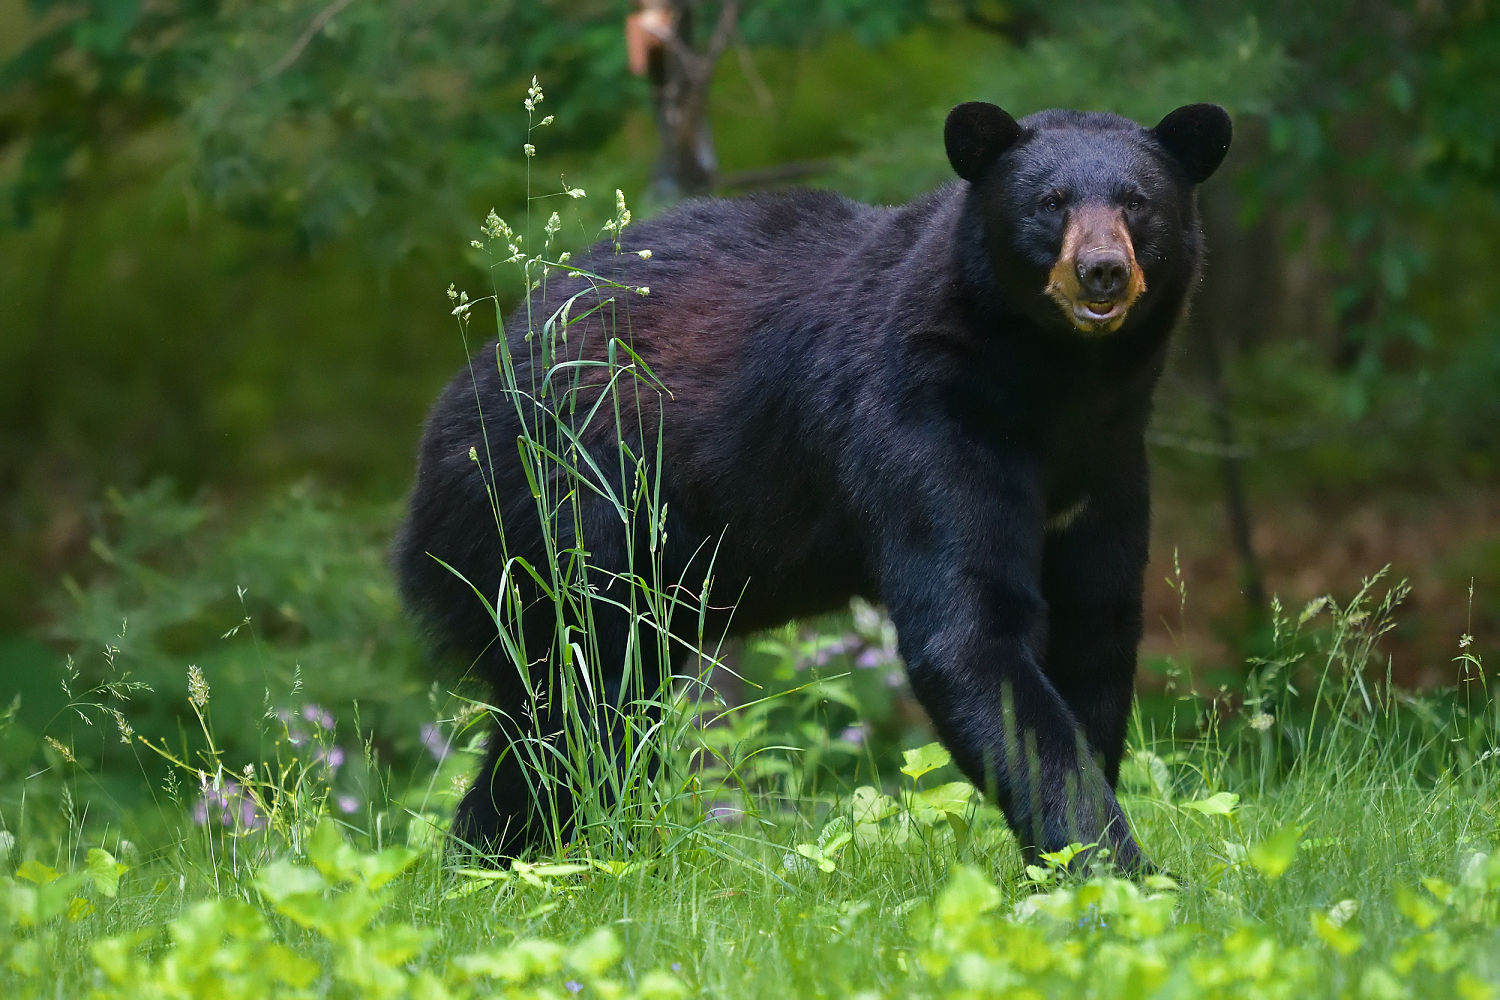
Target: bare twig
(314, 26)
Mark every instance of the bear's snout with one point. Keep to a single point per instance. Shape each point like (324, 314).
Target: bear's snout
(1096, 279)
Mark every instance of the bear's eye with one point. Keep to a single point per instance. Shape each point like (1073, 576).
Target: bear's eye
(1052, 203)
(1135, 203)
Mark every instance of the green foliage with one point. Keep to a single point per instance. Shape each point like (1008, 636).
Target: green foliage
(272, 618)
(1333, 836)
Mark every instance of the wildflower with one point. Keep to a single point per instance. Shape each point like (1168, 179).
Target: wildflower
(853, 734)
(573, 985)
(330, 757)
(529, 149)
(643, 254)
(722, 813)
(319, 715)
(1261, 722)
(347, 804)
(432, 739)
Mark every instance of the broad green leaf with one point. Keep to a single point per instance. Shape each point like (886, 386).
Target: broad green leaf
(514, 963)
(659, 985)
(868, 805)
(378, 869)
(924, 759)
(814, 853)
(597, 953)
(951, 796)
(1218, 804)
(1275, 854)
(1417, 908)
(1340, 939)
(34, 871)
(286, 966)
(78, 908)
(105, 871)
(969, 892)
(282, 879)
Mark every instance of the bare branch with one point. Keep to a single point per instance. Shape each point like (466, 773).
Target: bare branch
(314, 26)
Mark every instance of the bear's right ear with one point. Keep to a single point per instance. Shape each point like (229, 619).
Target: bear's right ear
(975, 134)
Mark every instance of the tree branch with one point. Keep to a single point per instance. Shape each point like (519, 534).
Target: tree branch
(314, 26)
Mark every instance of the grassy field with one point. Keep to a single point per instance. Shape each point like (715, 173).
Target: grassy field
(1329, 835)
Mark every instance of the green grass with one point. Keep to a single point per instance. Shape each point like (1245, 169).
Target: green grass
(1332, 836)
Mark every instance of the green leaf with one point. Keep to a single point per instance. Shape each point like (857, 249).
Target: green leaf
(597, 953)
(1417, 908)
(923, 760)
(1218, 804)
(951, 796)
(105, 871)
(816, 854)
(969, 892)
(1275, 854)
(868, 805)
(280, 880)
(378, 869)
(1341, 939)
(523, 960)
(34, 871)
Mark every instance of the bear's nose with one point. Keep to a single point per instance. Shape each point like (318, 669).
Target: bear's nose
(1103, 273)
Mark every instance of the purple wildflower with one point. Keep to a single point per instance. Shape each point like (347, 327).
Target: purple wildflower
(432, 739)
(854, 734)
(318, 715)
(229, 805)
(573, 985)
(721, 812)
(331, 757)
(347, 804)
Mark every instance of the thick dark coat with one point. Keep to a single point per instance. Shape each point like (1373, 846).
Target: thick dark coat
(938, 406)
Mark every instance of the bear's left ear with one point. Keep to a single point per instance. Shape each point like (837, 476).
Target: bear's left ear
(1197, 136)
(975, 134)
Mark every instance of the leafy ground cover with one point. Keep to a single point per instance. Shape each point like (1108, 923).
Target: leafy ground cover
(257, 826)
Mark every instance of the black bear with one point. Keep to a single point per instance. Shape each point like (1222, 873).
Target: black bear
(939, 406)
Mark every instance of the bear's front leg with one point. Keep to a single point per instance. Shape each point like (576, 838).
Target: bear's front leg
(960, 571)
(1092, 569)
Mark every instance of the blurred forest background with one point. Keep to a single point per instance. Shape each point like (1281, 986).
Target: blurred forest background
(227, 228)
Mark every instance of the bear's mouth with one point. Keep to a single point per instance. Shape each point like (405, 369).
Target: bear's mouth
(1099, 311)
(1091, 316)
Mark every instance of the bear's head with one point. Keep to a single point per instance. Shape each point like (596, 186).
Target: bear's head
(1089, 218)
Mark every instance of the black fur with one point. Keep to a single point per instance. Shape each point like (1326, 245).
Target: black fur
(883, 402)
